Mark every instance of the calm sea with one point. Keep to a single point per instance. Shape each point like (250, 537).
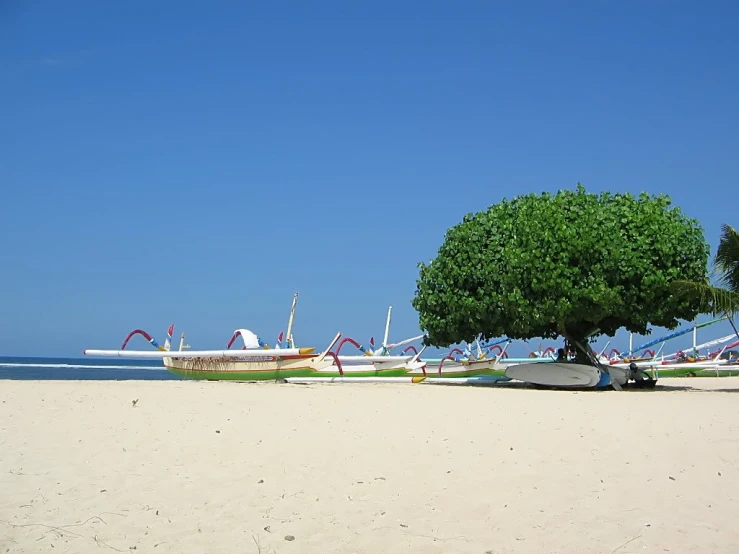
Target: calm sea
(83, 369)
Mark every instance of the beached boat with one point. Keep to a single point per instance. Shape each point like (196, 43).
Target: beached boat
(720, 363)
(554, 374)
(262, 362)
(257, 360)
(254, 364)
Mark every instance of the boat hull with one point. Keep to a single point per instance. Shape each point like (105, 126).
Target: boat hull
(481, 380)
(723, 371)
(565, 375)
(247, 370)
(463, 370)
(220, 369)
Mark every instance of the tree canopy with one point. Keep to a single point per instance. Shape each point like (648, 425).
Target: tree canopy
(722, 298)
(572, 264)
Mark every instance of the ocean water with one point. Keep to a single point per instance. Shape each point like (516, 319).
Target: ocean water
(91, 369)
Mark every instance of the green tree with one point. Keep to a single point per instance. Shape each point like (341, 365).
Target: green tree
(573, 264)
(723, 297)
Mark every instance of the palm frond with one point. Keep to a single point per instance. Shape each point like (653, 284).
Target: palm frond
(711, 299)
(727, 258)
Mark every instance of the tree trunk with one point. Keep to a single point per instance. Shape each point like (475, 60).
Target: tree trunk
(577, 343)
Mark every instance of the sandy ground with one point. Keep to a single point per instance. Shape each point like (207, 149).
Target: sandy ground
(234, 467)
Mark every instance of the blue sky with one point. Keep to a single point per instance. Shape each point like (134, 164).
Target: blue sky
(196, 163)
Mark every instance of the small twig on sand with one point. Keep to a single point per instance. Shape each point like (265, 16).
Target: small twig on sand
(87, 520)
(295, 494)
(99, 541)
(60, 530)
(632, 539)
(458, 537)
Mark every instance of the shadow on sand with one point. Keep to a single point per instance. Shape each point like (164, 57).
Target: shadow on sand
(662, 385)
(682, 388)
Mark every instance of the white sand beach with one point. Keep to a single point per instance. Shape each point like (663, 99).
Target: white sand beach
(237, 468)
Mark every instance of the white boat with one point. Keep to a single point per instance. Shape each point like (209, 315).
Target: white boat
(555, 374)
(256, 360)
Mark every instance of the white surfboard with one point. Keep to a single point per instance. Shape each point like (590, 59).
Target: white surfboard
(555, 374)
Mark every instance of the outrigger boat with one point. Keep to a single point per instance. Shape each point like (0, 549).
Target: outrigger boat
(720, 363)
(258, 361)
(450, 366)
(618, 369)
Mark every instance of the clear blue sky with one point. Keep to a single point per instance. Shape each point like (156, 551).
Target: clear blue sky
(196, 163)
